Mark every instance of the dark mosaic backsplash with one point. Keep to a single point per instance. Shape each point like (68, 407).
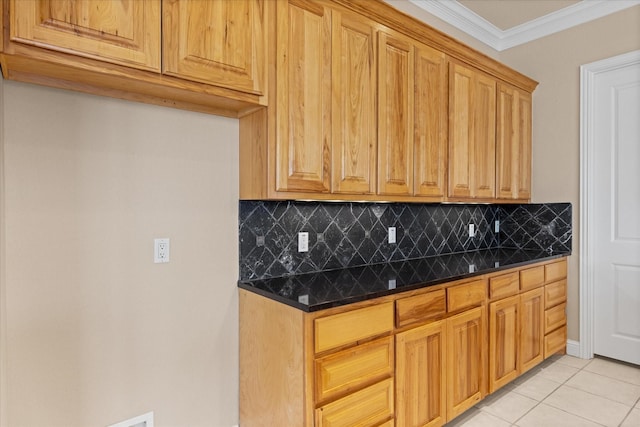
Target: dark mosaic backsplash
(354, 234)
(545, 227)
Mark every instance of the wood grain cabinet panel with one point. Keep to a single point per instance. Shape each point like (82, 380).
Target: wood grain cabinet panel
(396, 68)
(531, 278)
(503, 342)
(466, 295)
(303, 120)
(216, 42)
(350, 369)
(420, 376)
(513, 145)
(555, 293)
(420, 308)
(119, 31)
(354, 81)
(555, 271)
(555, 342)
(531, 329)
(430, 147)
(375, 405)
(472, 118)
(555, 317)
(466, 360)
(349, 327)
(504, 285)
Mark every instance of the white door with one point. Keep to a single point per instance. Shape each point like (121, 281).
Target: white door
(616, 213)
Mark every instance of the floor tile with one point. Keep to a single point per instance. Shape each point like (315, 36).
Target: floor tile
(477, 418)
(545, 415)
(536, 387)
(558, 373)
(610, 388)
(638, 404)
(633, 419)
(509, 407)
(615, 370)
(574, 362)
(587, 405)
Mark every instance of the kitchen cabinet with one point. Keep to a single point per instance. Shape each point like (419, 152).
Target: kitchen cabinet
(472, 142)
(120, 32)
(303, 103)
(216, 42)
(466, 360)
(416, 358)
(353, 108)
(531, 325)
(503, 341)
(197, 55)
(513, 143)
(420, 376)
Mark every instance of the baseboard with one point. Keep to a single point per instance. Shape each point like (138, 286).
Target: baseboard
(573, 348)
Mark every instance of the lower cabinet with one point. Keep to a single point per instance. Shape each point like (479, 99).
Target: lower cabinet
(420, 376)
(466, 360)
(418, 358)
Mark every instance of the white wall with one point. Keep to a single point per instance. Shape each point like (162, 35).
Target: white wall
(93, 331)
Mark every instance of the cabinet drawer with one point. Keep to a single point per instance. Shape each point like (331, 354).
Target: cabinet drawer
(555, 293)
(350, 369)
(504, 286)
(555, 317)
(352, 326)
(468, 295)
(555, 341)
(420, 308)
(531, 278)
(374, 406)
(555, 271)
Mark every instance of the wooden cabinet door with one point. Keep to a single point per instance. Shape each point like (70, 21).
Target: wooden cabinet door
(303, 119)
(216, 42)
(420, 376)
(472, 113)
(503, 342)
(513, 145)
(354, 104)
(466, 360)
(396, 59)
(430, 116)
(122, 32)
(531, 329)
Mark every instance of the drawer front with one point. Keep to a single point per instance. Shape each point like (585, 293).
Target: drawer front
(468, 295)
(504, 286)
(555, 271)
(350, 369)
(555, 341)
(374, 406)
(555, 293)
(555, 317)
(531, 278)
(420, 308)
(352, 326)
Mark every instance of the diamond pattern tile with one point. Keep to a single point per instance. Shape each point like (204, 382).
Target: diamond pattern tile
(353, 234)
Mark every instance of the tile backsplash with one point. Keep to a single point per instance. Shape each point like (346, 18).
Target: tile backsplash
(352, 234)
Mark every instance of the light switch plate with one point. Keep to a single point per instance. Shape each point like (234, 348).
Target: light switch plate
(303, 241)
(392, 234)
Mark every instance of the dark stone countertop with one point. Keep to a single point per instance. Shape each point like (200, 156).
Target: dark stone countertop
(318, 291)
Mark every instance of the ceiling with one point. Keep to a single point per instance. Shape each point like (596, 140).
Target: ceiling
(502, 24)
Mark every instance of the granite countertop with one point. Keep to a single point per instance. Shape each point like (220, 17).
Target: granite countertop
(318, 291)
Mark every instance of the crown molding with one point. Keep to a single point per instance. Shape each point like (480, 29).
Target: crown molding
(464, 19)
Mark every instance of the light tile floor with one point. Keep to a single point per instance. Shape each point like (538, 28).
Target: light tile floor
(563, 391)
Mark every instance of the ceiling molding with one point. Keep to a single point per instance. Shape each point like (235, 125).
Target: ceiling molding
(464, 19)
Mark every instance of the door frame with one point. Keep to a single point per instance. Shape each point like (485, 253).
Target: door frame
(588, 74)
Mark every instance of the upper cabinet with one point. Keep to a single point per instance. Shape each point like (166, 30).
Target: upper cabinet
(208, 56)
(472, 142)
(120, 32)
(513, 151)
(215, 42)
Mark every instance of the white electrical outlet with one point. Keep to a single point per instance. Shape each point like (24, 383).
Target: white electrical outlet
(472, 230)
(496, 226)
(392, 234)
(303, 241)
(392, 284)
(161, 250)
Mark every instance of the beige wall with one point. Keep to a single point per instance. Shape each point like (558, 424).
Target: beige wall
(94, 331)
(554, 61)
